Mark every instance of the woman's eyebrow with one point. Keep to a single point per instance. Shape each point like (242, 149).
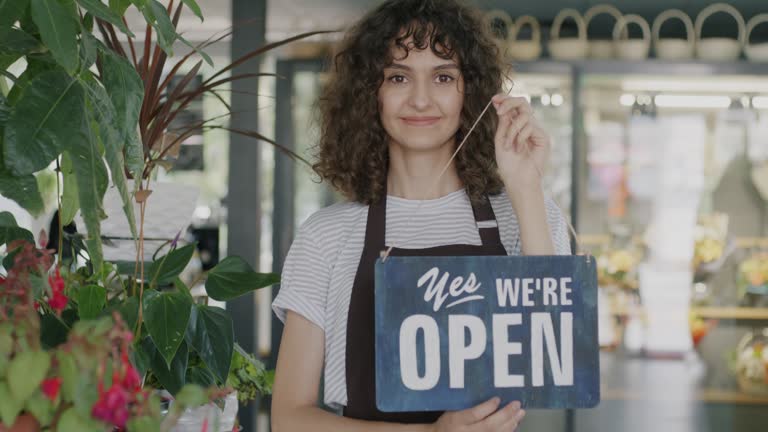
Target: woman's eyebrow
(438, 67)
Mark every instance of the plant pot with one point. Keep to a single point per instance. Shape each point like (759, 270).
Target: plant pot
(24, 423)
(670, 48)
(218, 420)
(719, 49)
(569, 48)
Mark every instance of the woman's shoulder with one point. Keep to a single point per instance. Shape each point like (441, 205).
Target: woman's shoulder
(334, 217)
(329, 228)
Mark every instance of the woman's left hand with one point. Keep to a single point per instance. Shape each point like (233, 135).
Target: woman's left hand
(522, 146)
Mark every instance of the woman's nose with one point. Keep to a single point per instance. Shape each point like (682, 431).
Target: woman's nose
(420, 96)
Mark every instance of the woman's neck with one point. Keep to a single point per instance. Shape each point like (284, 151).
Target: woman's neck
(412, 174)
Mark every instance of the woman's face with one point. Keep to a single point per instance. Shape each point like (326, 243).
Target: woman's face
(420, 100)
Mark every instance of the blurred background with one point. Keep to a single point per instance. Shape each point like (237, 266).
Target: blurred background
(659, 121)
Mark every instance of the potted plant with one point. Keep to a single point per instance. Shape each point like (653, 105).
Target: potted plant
(100, 114)
(85, 383)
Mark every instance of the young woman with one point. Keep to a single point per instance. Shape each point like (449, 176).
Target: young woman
(408, 84)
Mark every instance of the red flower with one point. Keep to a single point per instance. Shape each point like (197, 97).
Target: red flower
(131, 380)
(58, 302)
(51, 387)
(112, 406)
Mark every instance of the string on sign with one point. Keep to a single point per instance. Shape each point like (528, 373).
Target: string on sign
(385, 253)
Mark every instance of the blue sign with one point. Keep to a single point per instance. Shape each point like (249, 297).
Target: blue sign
(452, 332)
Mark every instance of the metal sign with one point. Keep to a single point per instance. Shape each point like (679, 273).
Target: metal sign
(452, 332)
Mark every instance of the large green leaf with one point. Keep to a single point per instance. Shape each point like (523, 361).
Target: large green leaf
(166, 317)
(36, 65)
(100, 10)
(47, 119)
(58, 29)
(92, 179)
(9, 405)
(172, 377)
(10, 12)
(192, 5)
(126, 91)
(16, 41)
(200, 376)
(53, 332)
(10, 230)
(26, 371)
(157, 16)
(70, 202)
(106, 117)
(119, 6)
(88, 50)
(73, 420)
(166, 268)
(22, 189)
(233, 277)
(91, 300)
(211, 334)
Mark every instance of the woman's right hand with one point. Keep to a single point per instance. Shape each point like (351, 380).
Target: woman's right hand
(482, 417)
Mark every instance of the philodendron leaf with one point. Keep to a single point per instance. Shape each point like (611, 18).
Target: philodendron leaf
(10, 231)
(172, 377)
(211, 334)
(100, 10)
(157, 16)
(47, 119)
(10, 12)
(192, 4)
(166, 316)
(58, 29)
(91, 300)
(92, 179)
(22, 189)
(70, 201)
(233, 277)
(165, 269)
(107, 119)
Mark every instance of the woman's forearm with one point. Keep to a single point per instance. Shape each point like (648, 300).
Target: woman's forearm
(318, 420)
(531, 211)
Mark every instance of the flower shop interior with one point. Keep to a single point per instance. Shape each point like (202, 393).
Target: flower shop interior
(659, 161)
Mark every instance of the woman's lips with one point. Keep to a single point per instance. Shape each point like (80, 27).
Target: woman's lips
(420, 121)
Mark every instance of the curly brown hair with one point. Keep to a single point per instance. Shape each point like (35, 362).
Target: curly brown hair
(352, 152)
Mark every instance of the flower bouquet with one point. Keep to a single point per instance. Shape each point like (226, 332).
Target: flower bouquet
(711, 247)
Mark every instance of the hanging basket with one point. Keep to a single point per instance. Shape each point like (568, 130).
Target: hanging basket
(525, 50)
(632, 49)
(602, 48)
(674, 48)
(568, 48)
(756, 52)
(719, 48)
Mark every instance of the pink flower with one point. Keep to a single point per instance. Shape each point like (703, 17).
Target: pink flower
(51, 387)
(112, 406)
(131, 380)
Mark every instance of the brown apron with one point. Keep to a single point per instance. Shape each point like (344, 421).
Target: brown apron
(360, 360)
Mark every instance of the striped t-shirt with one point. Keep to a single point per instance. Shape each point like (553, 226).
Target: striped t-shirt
(319, 270)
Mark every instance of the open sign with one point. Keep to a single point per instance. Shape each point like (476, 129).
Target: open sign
(452, 332)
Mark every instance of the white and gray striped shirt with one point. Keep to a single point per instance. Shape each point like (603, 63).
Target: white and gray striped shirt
(320, 267)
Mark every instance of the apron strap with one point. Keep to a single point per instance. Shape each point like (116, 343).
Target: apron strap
(485, 220)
